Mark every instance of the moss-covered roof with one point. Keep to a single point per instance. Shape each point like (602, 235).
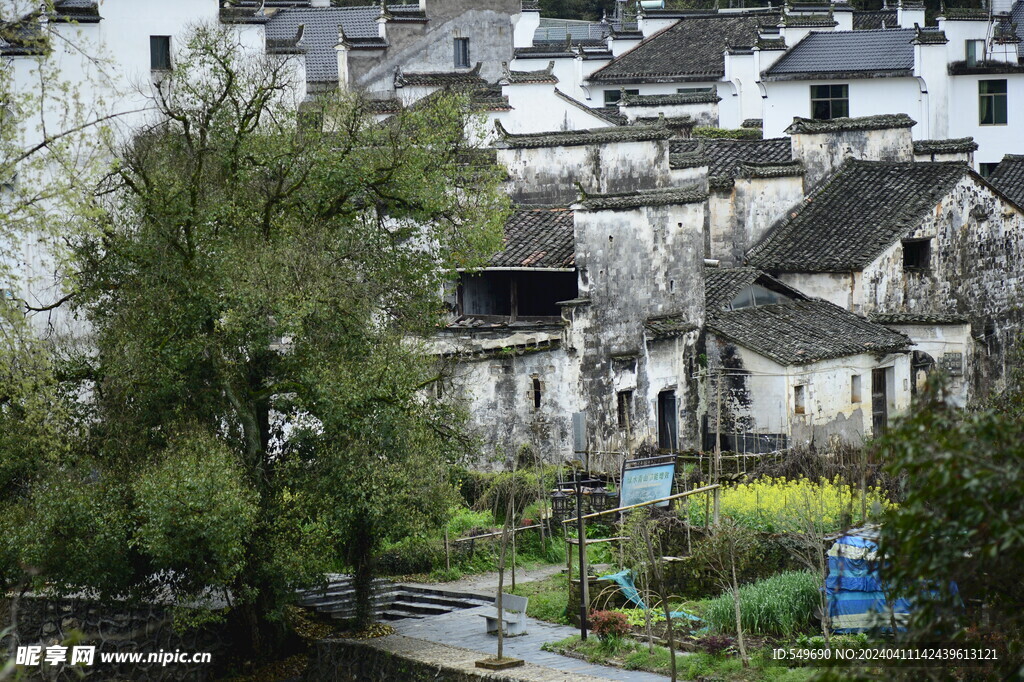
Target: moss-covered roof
(573, 138)
(810, 126)
(634, 200)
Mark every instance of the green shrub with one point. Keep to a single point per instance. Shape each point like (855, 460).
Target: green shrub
(781, 605)
(524, 486)
(411, 555)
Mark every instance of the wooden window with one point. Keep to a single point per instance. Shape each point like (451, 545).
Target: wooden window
(160, 53)
(974, 51)
(992, 102)
(668, 438)
(625, 408)
(800, 399)
(462, 53)
(830, 101)
(536, 393)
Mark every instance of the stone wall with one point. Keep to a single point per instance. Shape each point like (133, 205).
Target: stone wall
(119, 628)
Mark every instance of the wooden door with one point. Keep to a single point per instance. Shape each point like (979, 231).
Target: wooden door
(879, 402)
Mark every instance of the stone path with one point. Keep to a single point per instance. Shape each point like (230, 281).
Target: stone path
(465, 629)
(487, 583)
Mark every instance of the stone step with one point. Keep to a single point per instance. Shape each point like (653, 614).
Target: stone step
(348, 602)
(451, 594)
(418, 607)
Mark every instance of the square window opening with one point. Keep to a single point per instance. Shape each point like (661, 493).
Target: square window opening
(855, 388)
(986, 169)
(992, 105)
(830, 101)
(917, 254)
(160, 53)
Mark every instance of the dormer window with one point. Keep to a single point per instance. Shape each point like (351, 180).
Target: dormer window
(462, 53)
(755, 295)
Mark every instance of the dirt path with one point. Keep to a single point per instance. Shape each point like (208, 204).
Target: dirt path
(487, 583)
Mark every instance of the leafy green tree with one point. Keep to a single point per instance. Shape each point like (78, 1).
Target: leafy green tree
(254, 289)
(961, 520)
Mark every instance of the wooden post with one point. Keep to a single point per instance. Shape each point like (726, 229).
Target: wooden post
(718, 448)
(447, 555)
(582, 535)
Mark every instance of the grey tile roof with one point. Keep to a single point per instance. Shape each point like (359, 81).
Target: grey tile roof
(874, 19)
(918, 318)
(691, 49)
(440, 79)
(811, 126)
(609, 114)
(573, 138)
(1008, 178)
(538, 238)
(888, 51)
(958, 145)
(545, 75)
(79, 11)
(850, 220)
(708, 96)
(22, 38)
(724, 156)
(634, 200)
(803, 332)
(321, 33)
(668, 326)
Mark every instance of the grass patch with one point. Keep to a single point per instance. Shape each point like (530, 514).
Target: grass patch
(781, 605)
(548, 598)
(633, 655)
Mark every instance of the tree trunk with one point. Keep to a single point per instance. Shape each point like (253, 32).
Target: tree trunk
(739, 621)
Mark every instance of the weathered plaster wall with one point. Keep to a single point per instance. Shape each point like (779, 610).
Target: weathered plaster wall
(633, 265)
(942, 344)
(430, 47)
(740, 215)
(758, 394)
(536, 108)
(822, 154)
(703, 113)
(845, 289)
(549, 175)
(977, 269)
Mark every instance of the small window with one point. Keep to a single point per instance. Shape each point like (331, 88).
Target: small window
(986, 169)
(974, 52)
(830, 101)
(800, 399)
(536, 393)
(691, 91)
(462, 53)
(992, 102)
(160, 53)
(612, 97)
(917, 254)
(625, 409)
(855, 388)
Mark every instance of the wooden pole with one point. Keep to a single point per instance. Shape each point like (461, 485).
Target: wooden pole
(718, 447)
(705, 489)
(447, 555)
(581, 534)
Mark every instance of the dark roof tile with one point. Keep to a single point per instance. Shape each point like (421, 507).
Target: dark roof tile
(634, 200)
(708, 96)
(810, 126)
(918, 318)
(573, 138)
(959, 145)
(849, 221)
(848, 52)
(874, 19)
(691, 48)
(538, 238)
(668, 326)
(724, 156)
(803, 332)
(440, 79)
(1008, 177)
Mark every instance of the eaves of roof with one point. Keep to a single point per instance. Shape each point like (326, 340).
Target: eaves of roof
(641, 199)
(960, 145)
(573, 138)
(810, 126)
(835, 75)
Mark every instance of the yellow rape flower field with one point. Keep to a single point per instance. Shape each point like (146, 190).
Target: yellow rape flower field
(777, 505)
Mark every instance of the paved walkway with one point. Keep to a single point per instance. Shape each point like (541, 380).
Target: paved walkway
(465, 629)
(487, 583)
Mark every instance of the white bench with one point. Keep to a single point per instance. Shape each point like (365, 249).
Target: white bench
(513, 617)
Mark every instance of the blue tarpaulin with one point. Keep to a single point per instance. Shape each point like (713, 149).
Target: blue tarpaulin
(854, 591)
(628, 588)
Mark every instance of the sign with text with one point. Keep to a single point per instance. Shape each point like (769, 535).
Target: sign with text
(648, 481)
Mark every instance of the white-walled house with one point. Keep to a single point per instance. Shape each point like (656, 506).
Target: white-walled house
(785, 370)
